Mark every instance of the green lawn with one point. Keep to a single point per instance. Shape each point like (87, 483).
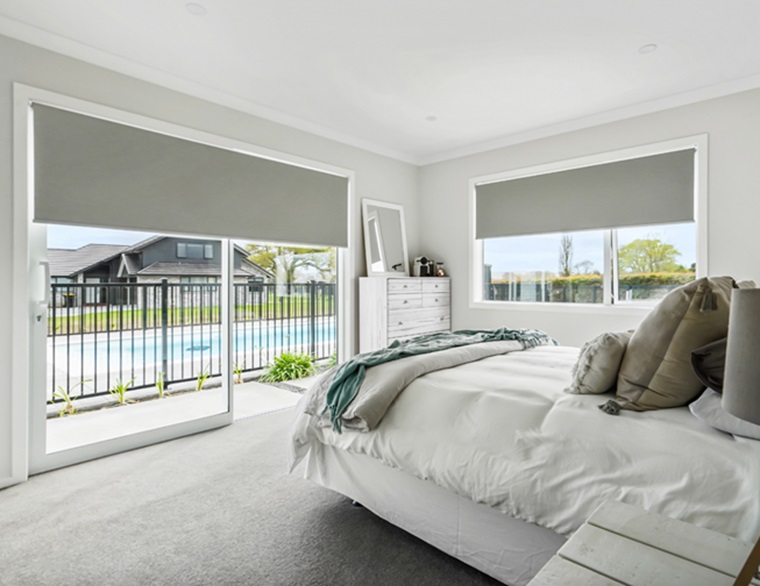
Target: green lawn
(138, 319)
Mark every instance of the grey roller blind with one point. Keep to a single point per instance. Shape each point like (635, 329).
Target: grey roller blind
(657, 189)
(93, 172)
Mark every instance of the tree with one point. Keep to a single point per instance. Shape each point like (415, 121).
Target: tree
(585, 267)
(290, 262)
(566, 256)
(648, 255)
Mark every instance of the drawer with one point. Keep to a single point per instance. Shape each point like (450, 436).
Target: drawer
(440, 299)
(404, 285)
(402, 322)
(440, 327)
(404, 301)
(434, 285)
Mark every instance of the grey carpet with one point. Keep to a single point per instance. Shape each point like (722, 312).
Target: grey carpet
(214, 508)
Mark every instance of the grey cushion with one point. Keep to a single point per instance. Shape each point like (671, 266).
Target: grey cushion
(708, 409)
(709, 362)
(596, 370)
(656, 371)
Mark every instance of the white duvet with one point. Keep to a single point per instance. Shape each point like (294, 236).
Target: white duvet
(501, 431)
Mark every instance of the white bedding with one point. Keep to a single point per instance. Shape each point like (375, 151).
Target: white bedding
(501, 431)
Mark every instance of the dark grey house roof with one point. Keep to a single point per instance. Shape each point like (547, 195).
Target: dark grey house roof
(69, 263)
(66, 262)
(175, 269)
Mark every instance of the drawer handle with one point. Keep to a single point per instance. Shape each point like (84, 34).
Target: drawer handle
(442, 318)
(405, 286)
(436, 301)
(402, 323)
(406, 301)
(436, 285)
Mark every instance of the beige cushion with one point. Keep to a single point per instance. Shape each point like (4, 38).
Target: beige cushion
(596, 370)
(656, 371)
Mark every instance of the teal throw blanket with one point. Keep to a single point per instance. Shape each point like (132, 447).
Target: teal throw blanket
(349, 375)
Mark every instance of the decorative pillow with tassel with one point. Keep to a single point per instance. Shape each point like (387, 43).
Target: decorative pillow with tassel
(656, 371)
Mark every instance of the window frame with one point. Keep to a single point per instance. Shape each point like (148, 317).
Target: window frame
(698, 142)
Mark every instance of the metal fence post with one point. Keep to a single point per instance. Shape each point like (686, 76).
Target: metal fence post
(313, 318)
(165, 327)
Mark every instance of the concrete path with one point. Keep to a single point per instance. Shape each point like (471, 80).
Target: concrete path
(250, 399)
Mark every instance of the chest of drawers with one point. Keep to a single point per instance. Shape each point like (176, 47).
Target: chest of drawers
(396, 308)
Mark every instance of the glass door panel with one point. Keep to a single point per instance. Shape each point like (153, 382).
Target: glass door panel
(136, 340)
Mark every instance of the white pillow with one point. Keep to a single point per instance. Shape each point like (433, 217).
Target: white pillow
(597, 367)
(708, 410)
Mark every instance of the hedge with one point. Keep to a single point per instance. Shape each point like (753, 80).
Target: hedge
(588, 288)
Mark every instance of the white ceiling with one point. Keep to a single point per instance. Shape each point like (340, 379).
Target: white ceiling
(373, 72)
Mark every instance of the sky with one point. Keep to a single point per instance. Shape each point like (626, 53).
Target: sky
(519, 254)
(60, 236)
(541, 252)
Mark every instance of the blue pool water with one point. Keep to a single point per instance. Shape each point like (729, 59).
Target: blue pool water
(192, 343)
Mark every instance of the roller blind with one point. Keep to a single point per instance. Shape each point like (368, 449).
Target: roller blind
(656, 189)
(91, 171)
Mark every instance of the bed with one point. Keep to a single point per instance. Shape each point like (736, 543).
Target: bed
(493, 463)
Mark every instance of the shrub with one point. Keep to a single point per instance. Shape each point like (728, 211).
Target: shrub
(120, 389)
(289, 367)
(65, 395)
(201, 378)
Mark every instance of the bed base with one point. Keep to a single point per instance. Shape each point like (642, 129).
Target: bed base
(508, 549)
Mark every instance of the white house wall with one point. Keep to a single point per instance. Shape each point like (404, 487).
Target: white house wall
(733, 212)
(376, 177)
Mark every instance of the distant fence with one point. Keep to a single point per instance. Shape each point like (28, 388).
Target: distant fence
(105, 333)
(547, 292)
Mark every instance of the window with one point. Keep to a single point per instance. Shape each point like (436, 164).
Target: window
(571, 267)
(618, 228)
(188, 282)
(193, 250)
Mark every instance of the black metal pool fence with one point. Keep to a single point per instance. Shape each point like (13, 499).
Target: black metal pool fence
(103, 334)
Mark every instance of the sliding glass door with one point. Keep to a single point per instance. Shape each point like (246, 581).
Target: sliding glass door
(138, 333)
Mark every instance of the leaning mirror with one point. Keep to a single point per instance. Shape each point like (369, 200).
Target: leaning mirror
(384, 238)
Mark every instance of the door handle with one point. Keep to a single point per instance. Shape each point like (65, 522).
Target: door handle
(44, 303)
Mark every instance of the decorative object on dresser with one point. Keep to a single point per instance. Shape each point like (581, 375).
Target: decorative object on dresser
(398, 308)
(385, 238)
(423, 267)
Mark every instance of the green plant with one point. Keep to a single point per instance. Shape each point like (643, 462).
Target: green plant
(160, 385)
(201, 380)
(289, 367)
(65, 395)
(119, 390)
(332, 361)
(238, 374)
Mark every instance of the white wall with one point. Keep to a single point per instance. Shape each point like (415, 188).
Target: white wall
(732, 124)
(375, 176)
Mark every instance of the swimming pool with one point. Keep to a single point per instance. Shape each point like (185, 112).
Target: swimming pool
(190, 350)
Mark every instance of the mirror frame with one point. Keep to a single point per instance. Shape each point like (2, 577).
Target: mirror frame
(367, 252)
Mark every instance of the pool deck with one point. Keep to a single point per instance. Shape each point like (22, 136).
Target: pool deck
(249, 399)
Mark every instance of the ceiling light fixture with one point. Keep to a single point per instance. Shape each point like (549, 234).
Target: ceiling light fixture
(196, 9)
(648, 48)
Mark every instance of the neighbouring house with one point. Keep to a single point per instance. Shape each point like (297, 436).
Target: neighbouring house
(176, 259)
